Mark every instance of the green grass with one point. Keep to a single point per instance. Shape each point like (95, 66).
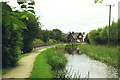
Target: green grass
(41, 68)
(56, 58)
(102, 53)
(48, 62)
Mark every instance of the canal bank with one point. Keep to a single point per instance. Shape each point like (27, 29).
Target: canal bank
(85, 67)
(78, 65)
(102, 53)
(83, 64)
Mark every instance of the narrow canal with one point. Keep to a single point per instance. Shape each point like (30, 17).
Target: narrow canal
(82, 66)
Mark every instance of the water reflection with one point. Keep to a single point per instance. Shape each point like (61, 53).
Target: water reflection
(72, 50)
(81, 63)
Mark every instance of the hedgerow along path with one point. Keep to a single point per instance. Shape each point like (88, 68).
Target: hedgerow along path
(25, 66)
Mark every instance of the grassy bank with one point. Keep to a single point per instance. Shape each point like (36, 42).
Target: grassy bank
(48, 62)
(102, 53)
(41, 68)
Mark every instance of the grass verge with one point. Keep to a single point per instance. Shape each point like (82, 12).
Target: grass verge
(102, 53)
(41, 68)
(48, 62)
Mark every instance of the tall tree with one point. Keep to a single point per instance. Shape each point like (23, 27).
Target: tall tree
(57, 34)
(12, 28)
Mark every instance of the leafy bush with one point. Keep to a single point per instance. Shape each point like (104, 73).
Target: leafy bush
(12, 40)
(19, 29)
(114, 33)
(94, 36)
(104, 35)
(51, 41)
(30, 33)
(56, 59)
(46, 35)
(100, 36)
(38, 43)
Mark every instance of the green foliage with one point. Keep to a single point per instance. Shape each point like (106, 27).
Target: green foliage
(12, 39)
(52, 36)
(28, 7)
(31, 7)
(21, 2)
(46, 35)
(104, 35)
(114, 33)
(32, 11)
(49, 62)
(23, 6)
(100, 36)
(19, 29)
(96, 1)
(51, 41)
(24, 16)
(30, 33)
(118, 32)
(32, 3)
(57, 34)
(94, 36)
(56, 58)
(41, 68)
(38, 43)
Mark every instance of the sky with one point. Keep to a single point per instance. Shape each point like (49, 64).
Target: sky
(73, 15)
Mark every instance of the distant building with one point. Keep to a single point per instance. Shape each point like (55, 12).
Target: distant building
(75, 37)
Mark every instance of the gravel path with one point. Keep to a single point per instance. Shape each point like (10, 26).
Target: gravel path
(24, 69)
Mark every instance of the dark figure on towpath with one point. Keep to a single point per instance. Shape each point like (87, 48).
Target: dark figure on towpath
(86, 39)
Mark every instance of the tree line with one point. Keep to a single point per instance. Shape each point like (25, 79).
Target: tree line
(100, 36)
(21, 30)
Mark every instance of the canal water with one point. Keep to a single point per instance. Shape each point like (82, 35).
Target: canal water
(82, 66)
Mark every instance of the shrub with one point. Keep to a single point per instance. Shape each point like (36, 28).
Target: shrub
(56, 59)
(12, 28)
(27, 45)
(30, 32)
(94, 36)
(114, 33)
(104, 35)
(100, 36)
(51, 41)
(38, 43)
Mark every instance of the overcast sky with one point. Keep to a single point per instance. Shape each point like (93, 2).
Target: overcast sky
(73, 15)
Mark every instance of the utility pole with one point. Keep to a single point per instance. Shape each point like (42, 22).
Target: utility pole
(109, 24)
